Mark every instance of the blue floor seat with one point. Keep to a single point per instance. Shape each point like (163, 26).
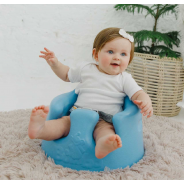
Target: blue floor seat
(77, 150)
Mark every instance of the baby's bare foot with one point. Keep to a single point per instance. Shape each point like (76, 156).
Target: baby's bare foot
(107, 144)
(37, 121)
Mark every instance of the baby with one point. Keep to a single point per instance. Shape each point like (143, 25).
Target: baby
(103, 84)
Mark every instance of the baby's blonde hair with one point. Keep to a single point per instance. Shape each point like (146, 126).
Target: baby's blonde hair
(107, 35)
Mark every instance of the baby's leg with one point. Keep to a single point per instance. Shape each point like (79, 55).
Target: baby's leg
(39, 128)
(106, 139)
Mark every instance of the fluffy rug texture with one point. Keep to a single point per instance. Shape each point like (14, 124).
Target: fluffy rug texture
(181, 27)
(23, 158)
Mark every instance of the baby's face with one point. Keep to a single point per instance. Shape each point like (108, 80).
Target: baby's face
(114, 57)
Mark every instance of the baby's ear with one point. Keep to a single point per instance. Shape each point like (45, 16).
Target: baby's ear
(95, 55)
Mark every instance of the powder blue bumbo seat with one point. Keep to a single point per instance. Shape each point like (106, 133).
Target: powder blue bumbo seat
(77, 150)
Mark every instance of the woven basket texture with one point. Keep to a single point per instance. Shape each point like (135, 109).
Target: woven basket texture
(162, 79)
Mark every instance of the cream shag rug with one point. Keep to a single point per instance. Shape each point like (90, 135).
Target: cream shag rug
(23, 158)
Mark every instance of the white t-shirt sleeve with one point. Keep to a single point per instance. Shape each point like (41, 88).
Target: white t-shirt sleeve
(130, 87)
(74, 73)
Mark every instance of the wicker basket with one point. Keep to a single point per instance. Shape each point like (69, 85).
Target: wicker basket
(162, 79)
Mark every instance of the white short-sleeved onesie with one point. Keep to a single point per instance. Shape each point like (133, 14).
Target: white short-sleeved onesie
(100, 91)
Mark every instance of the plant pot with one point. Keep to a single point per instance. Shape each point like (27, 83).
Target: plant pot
(162, 79)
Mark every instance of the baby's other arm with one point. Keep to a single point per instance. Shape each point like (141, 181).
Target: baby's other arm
(143, 101)
(61, 71)
(58, 68)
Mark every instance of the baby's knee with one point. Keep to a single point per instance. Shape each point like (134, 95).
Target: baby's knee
(66, 119)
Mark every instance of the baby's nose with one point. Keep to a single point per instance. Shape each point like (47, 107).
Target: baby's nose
(116, 58)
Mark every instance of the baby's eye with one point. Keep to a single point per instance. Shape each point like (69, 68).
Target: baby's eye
(123, 54)
(110, 51)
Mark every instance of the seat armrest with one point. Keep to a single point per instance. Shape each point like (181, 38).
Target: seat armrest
(61, 105)
(83, 122)
(128, 118)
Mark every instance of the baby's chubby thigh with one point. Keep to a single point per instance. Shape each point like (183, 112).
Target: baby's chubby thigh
(102, 128)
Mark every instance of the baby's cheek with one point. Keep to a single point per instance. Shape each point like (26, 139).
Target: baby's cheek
(105, 61)
(125, 63)
(123, 67)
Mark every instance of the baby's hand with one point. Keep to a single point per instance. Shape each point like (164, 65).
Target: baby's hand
(50, 57)
(145, 106)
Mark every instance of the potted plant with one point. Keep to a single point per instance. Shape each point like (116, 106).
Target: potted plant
(156, 67)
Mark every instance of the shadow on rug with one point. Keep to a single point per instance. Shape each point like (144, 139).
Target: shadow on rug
(23, 158)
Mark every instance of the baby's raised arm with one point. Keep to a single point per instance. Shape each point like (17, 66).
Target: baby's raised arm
(58, 68)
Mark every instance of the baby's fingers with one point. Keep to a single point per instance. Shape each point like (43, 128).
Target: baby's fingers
(43, 56)
(150, 114)
(144, 104)
(44, 52)
(47, 53)
(47, 49)
(147, 111)
(138, 103)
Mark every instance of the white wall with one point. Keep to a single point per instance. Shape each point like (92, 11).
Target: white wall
(69, 30)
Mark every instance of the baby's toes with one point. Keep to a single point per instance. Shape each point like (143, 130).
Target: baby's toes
(36, 108)
(43, 106)
(118, 139)
(40, 107)
(46, 109)
(33, 110)
(120, 144)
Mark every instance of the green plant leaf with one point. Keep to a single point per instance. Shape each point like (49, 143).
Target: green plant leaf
(163, 51)
(157, 37)
(143, 49)
(168, 8)
(132, 7)
(174, 35)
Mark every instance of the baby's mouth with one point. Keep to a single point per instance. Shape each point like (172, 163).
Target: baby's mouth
(114, 64)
